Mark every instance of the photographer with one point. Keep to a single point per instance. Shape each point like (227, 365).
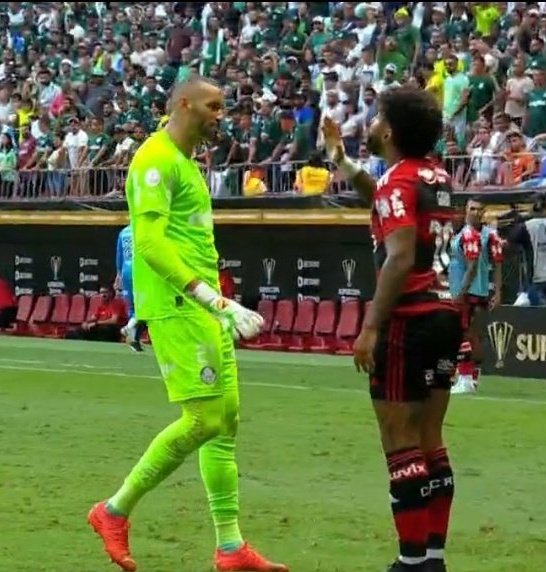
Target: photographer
(529, 231)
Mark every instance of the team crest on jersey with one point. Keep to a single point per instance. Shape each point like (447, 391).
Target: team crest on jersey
(152, 177)
(208, 375)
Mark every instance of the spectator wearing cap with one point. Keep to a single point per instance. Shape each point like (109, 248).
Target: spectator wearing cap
(407, 37)
(388, 81)
(318, 37)
(75, 143)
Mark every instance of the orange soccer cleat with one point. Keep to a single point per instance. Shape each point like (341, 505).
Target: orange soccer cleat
(114, 531)
(246, 559)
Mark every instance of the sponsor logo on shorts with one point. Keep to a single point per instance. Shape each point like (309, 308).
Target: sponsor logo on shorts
(208, 375)
(446, 367)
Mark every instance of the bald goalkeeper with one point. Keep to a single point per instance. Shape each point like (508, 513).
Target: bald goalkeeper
(192, 328)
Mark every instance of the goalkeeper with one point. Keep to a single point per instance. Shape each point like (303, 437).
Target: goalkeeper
(191, 327)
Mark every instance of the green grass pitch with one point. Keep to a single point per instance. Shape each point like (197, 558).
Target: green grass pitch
(74, 416)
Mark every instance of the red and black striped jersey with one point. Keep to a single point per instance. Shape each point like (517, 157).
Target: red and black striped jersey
(417, 193)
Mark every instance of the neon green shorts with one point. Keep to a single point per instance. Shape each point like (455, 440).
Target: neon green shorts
(196, 358)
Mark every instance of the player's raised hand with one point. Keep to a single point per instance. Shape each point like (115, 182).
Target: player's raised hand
(238, 321)
(332, 140)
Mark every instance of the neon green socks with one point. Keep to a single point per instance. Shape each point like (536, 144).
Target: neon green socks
(164, 455)
(197, 429)
(221, 479)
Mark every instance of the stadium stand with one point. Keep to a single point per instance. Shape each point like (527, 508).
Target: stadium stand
(83, 83)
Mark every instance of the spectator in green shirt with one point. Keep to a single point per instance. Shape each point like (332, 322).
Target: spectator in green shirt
(483, 89)
(534, 122)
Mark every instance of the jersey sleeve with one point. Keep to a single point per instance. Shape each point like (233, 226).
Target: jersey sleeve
(471, 244)
(496, 248)
(396, 204)
(150, 182)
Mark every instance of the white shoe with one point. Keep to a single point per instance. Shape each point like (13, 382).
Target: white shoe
(464, 384)
(128, 334)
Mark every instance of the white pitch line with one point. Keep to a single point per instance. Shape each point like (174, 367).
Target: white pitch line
(11, 360)
(258, 384)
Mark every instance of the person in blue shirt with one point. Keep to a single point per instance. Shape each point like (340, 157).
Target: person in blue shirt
(475, 251)
(124, 265)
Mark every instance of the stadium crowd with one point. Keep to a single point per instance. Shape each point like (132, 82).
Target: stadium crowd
(83, 83)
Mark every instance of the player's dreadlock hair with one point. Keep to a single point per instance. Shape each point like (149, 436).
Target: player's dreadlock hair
(414, 118)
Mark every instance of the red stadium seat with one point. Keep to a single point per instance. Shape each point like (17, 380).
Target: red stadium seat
(25, 305)
(303, 326)
(282, 326)
(40, 316)
(78, 310)
(94, 302)
(323, 340)
(266, 308)
(59, 316)
(348, 326)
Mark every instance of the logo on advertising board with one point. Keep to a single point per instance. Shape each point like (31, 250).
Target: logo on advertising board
(500, 335)
(348, 267)
(269, 290)
(308, 286)
(88, 276)
(56, 284)
(23, 275)
(517, 342)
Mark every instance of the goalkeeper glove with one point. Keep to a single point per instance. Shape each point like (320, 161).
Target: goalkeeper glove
(238, 321)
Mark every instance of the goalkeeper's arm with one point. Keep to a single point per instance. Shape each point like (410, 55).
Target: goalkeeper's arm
(159, 252)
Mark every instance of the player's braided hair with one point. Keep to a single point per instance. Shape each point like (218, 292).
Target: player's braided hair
(415, 120)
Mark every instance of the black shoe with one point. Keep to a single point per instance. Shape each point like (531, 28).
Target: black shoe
(398, 566)
(436, 566)
(136, 347)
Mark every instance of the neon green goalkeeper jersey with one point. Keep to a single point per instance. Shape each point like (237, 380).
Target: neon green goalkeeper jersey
(162, 180)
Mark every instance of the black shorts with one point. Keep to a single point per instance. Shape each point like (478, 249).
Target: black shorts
(416, 354)
(470, 304)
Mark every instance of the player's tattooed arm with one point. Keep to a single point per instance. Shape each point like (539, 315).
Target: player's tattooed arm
(400, 247)
(360, 180)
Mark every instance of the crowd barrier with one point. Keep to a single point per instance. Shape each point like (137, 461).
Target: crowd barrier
(479, 172)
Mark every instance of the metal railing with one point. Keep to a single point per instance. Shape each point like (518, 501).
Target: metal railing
(483, 170)
(480, 171)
